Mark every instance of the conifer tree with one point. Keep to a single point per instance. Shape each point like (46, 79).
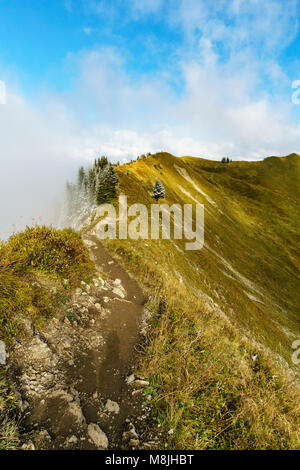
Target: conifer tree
(106, 188)
(95, 185)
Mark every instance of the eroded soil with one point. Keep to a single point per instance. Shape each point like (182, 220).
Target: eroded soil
(74, 378)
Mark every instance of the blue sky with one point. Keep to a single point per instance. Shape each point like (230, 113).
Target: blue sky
(229, 54)
(124, 77)
(37, 36)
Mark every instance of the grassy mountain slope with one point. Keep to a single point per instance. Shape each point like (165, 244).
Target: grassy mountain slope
(218, 307)
(250, 264)
(218, 357)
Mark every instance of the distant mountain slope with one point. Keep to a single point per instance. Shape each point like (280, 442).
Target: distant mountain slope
(250, 264)
(219, 356)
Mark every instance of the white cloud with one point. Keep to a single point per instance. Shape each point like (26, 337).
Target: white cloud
(264, 26)
(37, 147)
(223, 108)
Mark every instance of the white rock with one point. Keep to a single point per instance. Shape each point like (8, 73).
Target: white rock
(130, 378)
(75, 411)
(141, 383)
(119, 292)
(72, 440)
(112, 406)
(28, 446)
(134, 442)
(38, 353)
(98, 436)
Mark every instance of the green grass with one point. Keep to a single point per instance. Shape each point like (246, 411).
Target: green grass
(33, 265)
(8, 404)
(251, 234)
(215, 308)
(56, 252)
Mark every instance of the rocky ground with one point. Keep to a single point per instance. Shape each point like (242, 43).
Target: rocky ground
(76, 382)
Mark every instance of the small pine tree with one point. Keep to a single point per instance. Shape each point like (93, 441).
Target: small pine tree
(95, 185)
(102, 162)
(106, 187)
(158, 190)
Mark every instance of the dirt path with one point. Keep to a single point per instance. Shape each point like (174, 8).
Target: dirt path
(72, 376)
(121, 333)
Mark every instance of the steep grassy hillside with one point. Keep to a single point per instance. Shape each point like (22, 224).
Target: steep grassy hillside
(226, 315)
(250, 264)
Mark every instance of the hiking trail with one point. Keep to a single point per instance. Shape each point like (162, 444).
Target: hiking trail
(75, 378)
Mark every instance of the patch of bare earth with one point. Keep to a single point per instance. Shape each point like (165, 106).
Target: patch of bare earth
(75, 378)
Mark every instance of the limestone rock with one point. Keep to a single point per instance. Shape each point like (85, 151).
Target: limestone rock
(39, 354)
(71, 440)
(112, 406)
(28, 446)
(141, 383)
(119, 291)
(130, 434)
(130, 378)
(98, 437)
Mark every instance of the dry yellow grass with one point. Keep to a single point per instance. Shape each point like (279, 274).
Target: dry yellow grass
(216, 309)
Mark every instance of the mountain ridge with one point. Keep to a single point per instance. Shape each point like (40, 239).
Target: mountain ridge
(262, 219)
(216, 361)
